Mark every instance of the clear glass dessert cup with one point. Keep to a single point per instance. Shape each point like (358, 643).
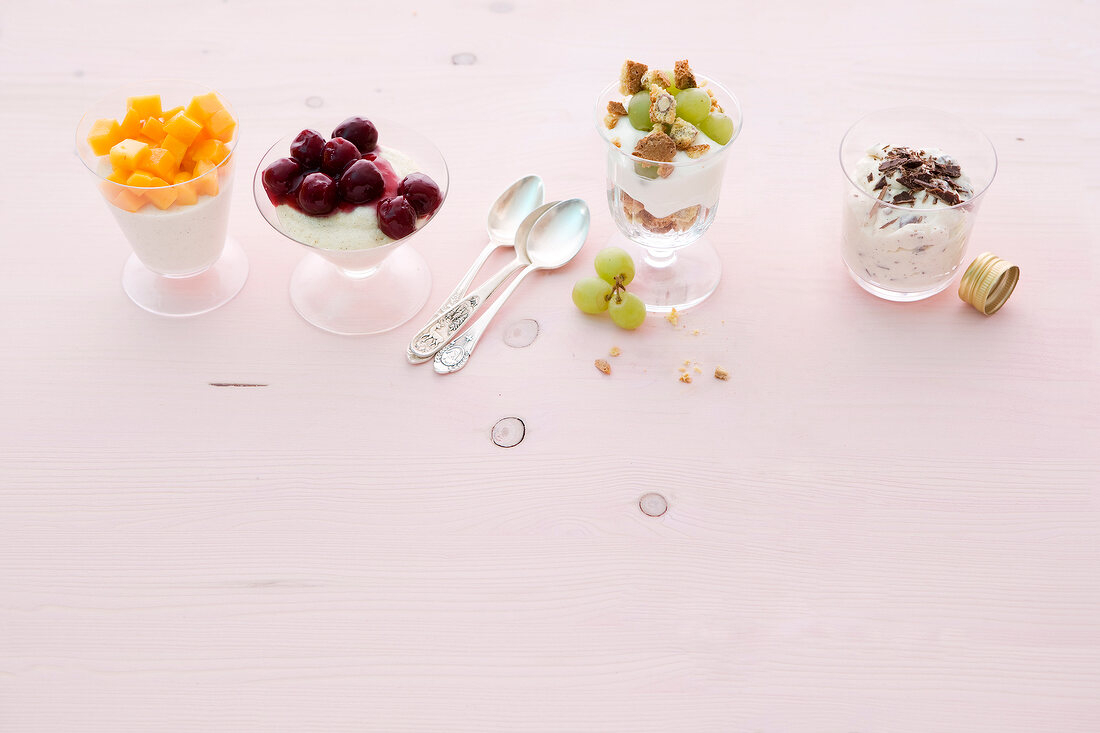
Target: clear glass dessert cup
(182, 263)
(355, 292)
(907, 252)
(662, 211)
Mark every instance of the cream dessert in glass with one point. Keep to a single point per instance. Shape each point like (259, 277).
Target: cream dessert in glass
(668, 135)
(353, 200)
(914, 180)
(167, 177)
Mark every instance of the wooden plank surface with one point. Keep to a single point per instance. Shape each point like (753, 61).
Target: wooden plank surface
(886, 520)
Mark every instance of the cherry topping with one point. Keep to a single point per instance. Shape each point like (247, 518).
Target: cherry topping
(306, 149)
(282, 177)
(422, 192)
(317, 194)
(396, 217)
(361, 183)
(337, 156)
(359, 131)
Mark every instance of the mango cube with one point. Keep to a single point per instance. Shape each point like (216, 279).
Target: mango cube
(128, 200)
(221, 125)
(206, 178)
(153, 129)
(119, 176)
(214, 151)
(176, 147)
(170, 113)
(162, 163)
(145, 106)
(143, 179)
(129, 154)
(131, 124)
(183, 128)
(160, 197)
(104, 135)
(186, 195)
(203, 106)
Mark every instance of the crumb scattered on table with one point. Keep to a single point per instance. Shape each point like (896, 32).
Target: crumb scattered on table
(673, 317)
(698, 370)
(720, 373)
(685, 378)
(603, 366)
(615, 351)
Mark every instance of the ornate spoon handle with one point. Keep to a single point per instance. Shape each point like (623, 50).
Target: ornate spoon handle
(455, 296)
(443, 327)
(454, 355)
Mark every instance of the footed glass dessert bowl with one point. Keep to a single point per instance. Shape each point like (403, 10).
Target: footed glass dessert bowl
(354, 200)
(667, 149)
(166, 174)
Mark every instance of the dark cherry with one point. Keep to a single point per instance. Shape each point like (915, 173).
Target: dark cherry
(396, 217)
(421, 191)
(337, 156)
(361, 183)
(306, 149)
(317, 194)
(360, 131)
(282, 177)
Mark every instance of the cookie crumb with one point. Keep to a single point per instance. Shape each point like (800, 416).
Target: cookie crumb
(616, 108)
(615, 351)
(603, 366)
(685, 378)
(720, 373)
(696, 151)
(662, 106)
(630, 78)
(685, 79)
(673, 317)
(698, 370)
(656, 146)
(683, 134)
(610, 121)
(695, 332)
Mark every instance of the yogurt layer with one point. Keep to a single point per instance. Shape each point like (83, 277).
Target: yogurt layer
(905, 247)
(356, 228)
(697, 184)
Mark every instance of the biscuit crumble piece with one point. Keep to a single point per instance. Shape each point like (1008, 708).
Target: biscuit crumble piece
(720, 373)
(656, 78)
(696, 151)
(714, 106)
(683, 133)
(673, 317)
(610, 121)
(685, 79)
(616, 108)
(685, 378)
(630, 78)
(656, 146)
(603, 366)
(616, 142)
(615, 351)
(662, 107)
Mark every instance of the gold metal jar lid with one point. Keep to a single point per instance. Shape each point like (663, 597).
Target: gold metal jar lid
(988, 282)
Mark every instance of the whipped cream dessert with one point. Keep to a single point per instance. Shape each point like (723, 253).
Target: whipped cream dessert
(904, 229)
(349, 192)
(671, 131)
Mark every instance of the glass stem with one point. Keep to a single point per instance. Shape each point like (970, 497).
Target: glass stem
(660, 258)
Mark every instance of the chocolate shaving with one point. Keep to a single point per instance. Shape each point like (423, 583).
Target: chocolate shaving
(905, 197)
(890, 164)
(888, 223)
(951, 171)
(880, 184)
(870, 178)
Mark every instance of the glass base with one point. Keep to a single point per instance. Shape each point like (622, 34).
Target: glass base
(894, 295)
(672, 278)
(356, 304)
(187, 296)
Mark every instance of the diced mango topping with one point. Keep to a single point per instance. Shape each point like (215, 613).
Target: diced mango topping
(183, 128)
(146, 106)
(129, 154)
(104, 135)
(221, 125)
(169, 157)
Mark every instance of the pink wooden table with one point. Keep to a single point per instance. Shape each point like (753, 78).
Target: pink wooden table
(886, 520)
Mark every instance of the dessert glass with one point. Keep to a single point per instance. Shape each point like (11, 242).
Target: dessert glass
(662, 220)
(919, 259)
(356, 292)
(182, 262)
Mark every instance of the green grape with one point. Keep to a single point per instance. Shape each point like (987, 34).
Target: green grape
(693, 105)
(627, 311)
(718, 127)
(647, 170)
(638, 110)
(672, 88)
(590, 294)
(612, 262)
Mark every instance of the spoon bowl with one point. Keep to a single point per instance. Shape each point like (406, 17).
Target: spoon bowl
(557, 235)
(512, 207)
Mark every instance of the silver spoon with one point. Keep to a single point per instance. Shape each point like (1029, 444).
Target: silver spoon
(555, 238)
(432, 337)
(505, 217)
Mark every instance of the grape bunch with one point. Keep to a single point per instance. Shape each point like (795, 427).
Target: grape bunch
(608, 291)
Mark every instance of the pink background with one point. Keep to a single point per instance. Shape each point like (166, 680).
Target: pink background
(886, 520)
